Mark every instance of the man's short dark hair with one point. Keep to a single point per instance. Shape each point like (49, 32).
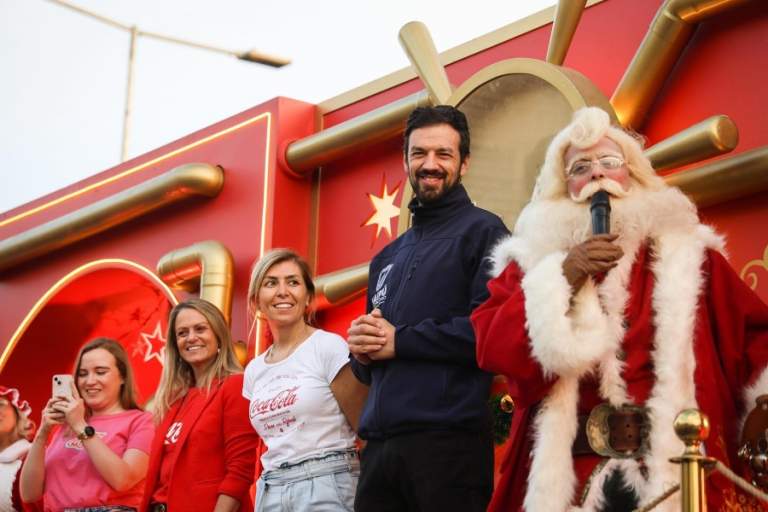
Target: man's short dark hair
(441, 114)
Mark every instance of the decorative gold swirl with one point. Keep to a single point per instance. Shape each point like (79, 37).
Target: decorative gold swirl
(751, 277)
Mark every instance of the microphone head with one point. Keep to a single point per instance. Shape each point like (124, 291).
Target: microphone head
(600, 199)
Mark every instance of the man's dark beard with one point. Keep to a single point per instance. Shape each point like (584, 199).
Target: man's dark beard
(435, 194)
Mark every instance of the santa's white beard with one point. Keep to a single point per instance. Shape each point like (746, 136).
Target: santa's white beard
(559, 224)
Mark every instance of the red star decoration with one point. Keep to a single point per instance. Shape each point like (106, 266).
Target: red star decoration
(155, 344)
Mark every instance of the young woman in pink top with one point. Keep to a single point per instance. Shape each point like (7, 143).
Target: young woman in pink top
(97, 458)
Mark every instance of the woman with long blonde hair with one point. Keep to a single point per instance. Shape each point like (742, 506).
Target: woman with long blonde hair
(203, 454)
(305, 401)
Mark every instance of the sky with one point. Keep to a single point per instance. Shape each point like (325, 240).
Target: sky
(63, 80)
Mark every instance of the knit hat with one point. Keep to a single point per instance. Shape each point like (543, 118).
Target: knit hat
(12, 395)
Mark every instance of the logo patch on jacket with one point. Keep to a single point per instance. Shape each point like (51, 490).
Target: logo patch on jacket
(381, 287)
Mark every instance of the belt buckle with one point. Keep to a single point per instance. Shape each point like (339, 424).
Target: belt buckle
(599, 433)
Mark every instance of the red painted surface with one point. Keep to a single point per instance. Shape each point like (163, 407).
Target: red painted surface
(722, 71)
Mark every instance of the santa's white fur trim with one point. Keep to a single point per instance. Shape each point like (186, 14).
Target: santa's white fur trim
(552, 480)
(593, 320)
(567, 336)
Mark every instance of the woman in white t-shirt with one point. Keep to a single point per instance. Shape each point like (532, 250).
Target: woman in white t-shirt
(305, 401)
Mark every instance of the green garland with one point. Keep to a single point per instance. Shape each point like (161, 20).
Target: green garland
(501, 420)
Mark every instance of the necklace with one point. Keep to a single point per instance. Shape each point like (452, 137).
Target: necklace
(286, 349)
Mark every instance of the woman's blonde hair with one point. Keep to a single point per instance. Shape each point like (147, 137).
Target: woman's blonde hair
(259, 272)
(128, 388)
(177, 375)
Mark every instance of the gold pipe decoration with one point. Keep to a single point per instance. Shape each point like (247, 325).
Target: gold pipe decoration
(340, 286)
(692, 427)
(181, 183)
(352, 135)
(670, 31)
(567, 16)
(211, 262)
(711, 137)
(730, 178)
(418, 45)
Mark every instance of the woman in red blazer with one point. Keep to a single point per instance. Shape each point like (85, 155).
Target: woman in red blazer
(204, 452)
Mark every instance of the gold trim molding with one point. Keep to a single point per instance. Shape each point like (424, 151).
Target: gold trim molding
(211, 262)
(457, 53)
(140, 167)
(109, 263)
(179, 184)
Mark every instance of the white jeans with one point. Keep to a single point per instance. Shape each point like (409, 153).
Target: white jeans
(325, 484)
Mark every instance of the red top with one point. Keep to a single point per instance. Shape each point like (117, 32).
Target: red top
(730, 348)
(193, 400)
(214, 452)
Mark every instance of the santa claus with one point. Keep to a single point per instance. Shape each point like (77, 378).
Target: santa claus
(605, 338)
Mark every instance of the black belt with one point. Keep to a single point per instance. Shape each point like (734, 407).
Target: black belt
(158, 507)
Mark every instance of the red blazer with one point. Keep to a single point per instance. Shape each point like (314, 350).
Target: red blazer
(216, 454)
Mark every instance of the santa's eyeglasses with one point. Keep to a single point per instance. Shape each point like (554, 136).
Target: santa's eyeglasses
(582, 167)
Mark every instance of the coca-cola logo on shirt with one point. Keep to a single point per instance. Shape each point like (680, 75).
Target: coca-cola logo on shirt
(77, 444)
(174, 431)
(284, 398)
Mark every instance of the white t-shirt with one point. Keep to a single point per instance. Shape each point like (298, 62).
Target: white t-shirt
(292, 406)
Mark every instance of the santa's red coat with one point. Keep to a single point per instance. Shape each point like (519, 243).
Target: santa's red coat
(729, 341)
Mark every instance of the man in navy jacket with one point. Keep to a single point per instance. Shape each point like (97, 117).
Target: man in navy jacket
(426, 419)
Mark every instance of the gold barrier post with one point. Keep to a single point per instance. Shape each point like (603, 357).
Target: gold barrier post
(692, 427)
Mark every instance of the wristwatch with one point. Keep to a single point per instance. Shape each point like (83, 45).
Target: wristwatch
(87, 433)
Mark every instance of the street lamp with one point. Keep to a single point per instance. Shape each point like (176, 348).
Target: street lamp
(250, 56)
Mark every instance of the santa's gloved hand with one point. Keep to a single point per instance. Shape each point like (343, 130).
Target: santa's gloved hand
(595, 256)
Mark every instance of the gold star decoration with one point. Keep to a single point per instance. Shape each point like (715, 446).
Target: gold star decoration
(384, 209)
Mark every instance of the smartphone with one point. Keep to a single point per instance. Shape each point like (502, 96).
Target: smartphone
(62, 385)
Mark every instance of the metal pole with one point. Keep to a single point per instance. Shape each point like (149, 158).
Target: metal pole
(128, 95)
(692, 427)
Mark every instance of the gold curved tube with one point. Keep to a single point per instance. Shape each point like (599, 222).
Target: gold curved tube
(567, 18)
(353, 135)
(418, 45)
(727, 179)
(211, 262)
(668, 34)
(338, 287)
(711, 137)
(177, 185)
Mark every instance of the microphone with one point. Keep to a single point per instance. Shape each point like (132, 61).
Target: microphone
(600, 208)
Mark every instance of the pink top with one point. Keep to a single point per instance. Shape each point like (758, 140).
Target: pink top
(71, 479)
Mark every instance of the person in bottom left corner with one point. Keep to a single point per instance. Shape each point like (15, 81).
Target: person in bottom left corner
(97, 458)
(15, 428)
